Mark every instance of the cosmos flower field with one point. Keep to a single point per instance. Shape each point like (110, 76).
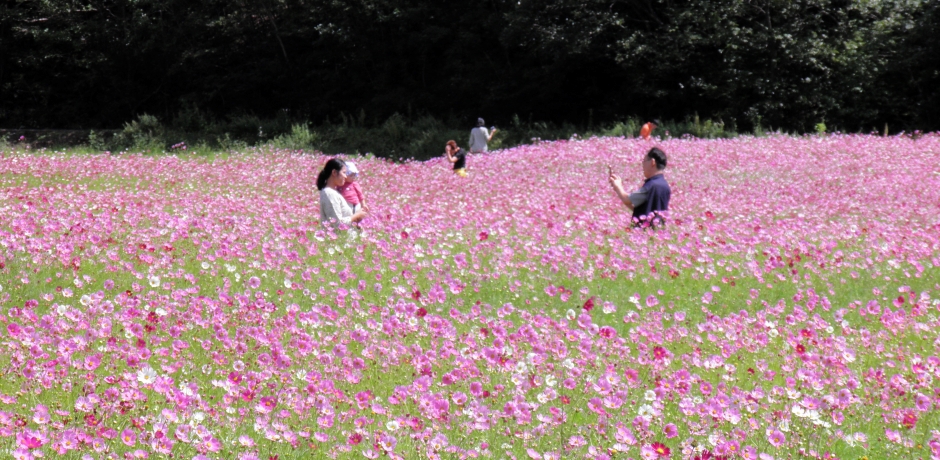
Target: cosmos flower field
(192, 307)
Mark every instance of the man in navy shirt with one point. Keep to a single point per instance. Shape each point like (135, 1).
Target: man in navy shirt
(651, 202)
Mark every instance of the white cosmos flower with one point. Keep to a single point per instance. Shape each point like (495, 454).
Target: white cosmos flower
(85, 300)
(650, 395)
(798, 411)
(713, 439)
(146, 376)
(154, 281)
(205, 265)
(392, 425)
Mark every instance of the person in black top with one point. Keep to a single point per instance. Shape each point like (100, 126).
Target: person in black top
(458, 157)
(650, 204)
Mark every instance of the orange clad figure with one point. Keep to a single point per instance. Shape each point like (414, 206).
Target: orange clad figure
(647, 130)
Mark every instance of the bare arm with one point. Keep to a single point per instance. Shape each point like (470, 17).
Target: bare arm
(617, 184)
(490, 137)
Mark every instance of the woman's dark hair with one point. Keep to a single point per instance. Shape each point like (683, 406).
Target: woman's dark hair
(327, 171)
(659, 156)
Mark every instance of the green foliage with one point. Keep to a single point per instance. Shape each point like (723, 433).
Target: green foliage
(750, 63)
(821, 128)
(299, 138)
(192, 119)
(629, 128)
(225, 142)
(396, 137)
(96, 141)
(146, 133)
(695, 127)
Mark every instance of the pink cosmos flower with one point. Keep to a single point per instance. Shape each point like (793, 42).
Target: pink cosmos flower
(30, 439)
(254, 282)
(128, 437)
(892, 435)
(776, 438)
(670, 431)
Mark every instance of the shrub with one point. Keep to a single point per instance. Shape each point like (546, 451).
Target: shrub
(146, 133)
(299, 138)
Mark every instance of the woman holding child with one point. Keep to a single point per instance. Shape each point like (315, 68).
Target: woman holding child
(334, 210)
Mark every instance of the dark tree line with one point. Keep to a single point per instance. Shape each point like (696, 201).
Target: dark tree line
(790, 64)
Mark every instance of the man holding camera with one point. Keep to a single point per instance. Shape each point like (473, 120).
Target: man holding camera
(650, 204)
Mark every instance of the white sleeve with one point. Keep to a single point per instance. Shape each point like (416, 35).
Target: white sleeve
(639, 197)
(343, 216)
(331, 208)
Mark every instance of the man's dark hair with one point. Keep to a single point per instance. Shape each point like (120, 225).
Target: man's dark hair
(659, 156)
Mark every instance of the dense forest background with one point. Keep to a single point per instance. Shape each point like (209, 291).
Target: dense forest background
(854, 65)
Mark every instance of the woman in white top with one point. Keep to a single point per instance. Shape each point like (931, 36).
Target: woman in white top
(334, 210)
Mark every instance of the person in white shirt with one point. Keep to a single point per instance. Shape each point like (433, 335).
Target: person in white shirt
(334, 210)
(480, 137)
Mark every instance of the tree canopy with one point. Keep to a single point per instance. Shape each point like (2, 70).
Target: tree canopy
(854, 64)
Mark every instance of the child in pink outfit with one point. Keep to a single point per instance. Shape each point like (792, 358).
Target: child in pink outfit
(351, 191)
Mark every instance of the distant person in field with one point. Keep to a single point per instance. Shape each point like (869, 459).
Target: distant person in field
(457, 156)
(334, 210)
(650, 204)
(351, 191)
(480, 137)
(647, 130)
